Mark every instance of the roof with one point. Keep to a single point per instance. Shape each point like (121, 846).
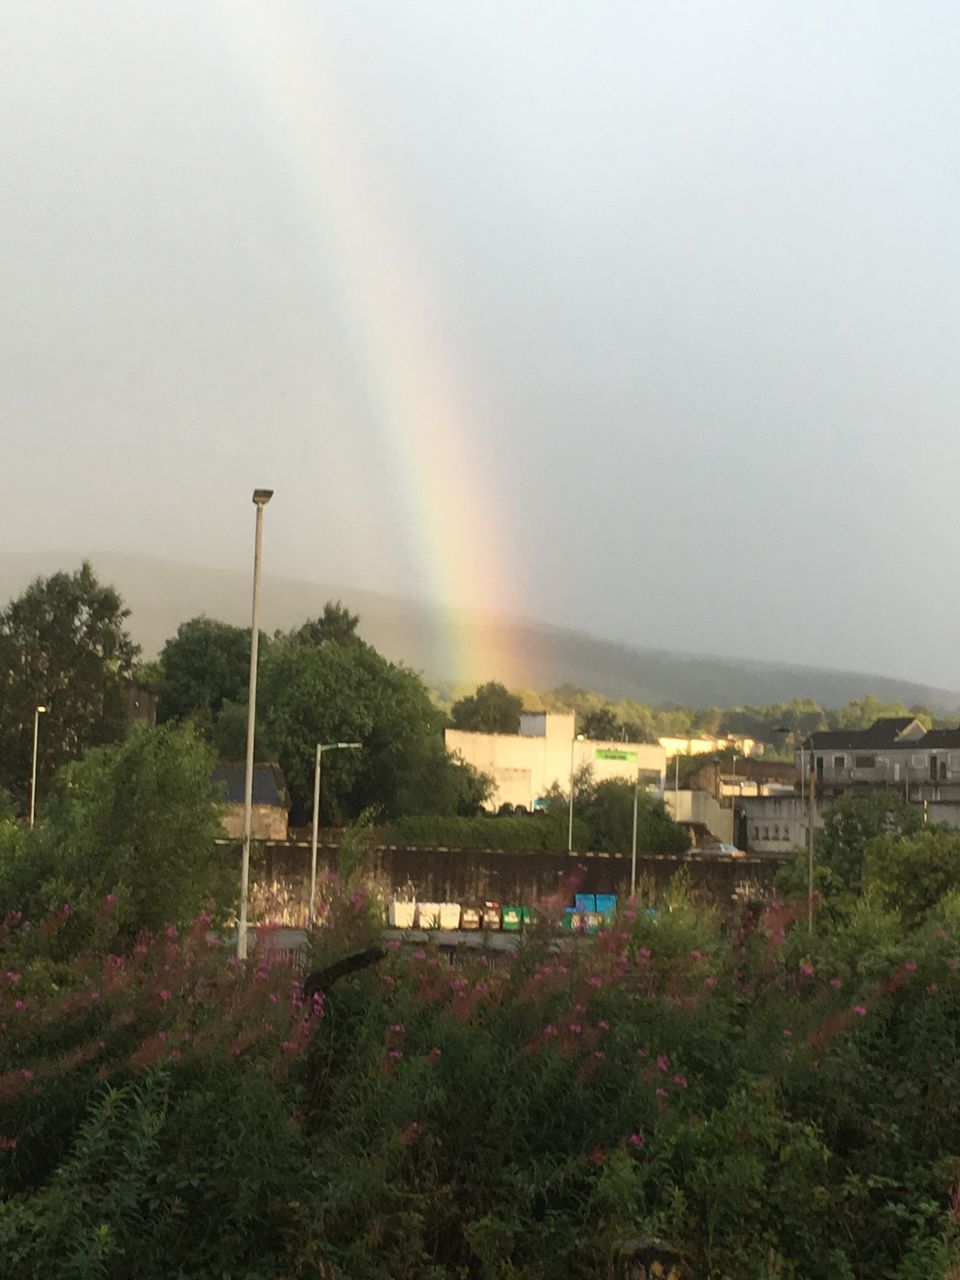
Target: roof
(886, 734)
(269, 784)
(890, 731)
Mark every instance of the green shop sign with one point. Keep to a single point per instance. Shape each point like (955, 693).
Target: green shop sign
(614, 753)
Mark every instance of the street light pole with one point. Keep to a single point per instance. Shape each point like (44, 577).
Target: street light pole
(260, 498)
(321, 747)
(633, 843)
(37, 713)
(810, 824)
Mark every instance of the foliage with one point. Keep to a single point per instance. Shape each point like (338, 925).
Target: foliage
(546, 832)
(63, 645)
(606, 809)
(851, 823)
(347, 692)
(492, 709)
(206, 664)
(768, 1103)
(137, 820)
(336, 625)
(913, 873)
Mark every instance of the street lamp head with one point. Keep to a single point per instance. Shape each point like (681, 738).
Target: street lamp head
(262, 496)
(354, 745)
(41, 710)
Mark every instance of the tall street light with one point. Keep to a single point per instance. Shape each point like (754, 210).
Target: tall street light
(37, 713)
(321, 747)
(260, 498)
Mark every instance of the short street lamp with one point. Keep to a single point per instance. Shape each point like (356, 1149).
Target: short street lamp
(260, 498)
(321, 747)
(37, 713)
(573, 744)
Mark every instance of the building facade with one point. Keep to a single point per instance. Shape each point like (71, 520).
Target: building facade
(524, 766)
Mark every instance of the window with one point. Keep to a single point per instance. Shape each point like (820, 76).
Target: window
(865, 762)
(839, 762)
(776, 832)
(756, 833)
(766, 833)
(786, 833)
(943, 770)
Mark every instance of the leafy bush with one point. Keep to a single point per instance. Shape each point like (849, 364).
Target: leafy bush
(769, 1102)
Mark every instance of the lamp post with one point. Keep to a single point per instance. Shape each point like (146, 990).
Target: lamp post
(321, 747)
(37, 713)
(633, 841)
(260, 499)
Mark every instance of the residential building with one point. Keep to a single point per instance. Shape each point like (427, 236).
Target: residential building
(896, 753)
(524, 766)
(270, 803)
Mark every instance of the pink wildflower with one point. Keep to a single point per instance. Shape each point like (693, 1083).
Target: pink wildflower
(171, 931)
(661, 1093)
(575, 1028)
(396, 1054)
(836, 983)
(393, 944)
(807, 969)
(288, 1046)
(111, 897)
(595, 981)
(679, 1081)
(663, 1062)
(166, 995)
(419, 954)
(710, 982)
(20, 1004)
(274, 998)
(787, 1033)
(910, 966)
(645, 953)
(860, 1010)
(8, 1144)
(26, 1073)
(697, 955)
(550, 1030)
(12, 976)
(603, 1025)
(397, 1028)
(637, 1140)
(641, 1053)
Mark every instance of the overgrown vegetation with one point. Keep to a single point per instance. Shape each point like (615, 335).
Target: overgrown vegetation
(768, 1102)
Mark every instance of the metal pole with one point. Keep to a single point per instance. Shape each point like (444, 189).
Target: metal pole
(313, 841)
(810, 821)
(633, 845)
(251, 728)
(33, 771)
(573, 743)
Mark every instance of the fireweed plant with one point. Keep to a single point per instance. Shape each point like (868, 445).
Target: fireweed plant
(767, 1102)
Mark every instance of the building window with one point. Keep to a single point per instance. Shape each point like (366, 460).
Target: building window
(839, 762)
(943, 770)
(786, 833)
(766, 830)
(865, 762)
(756, 833)
(776, 833)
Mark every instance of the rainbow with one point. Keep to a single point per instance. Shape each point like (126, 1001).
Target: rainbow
(428, 434)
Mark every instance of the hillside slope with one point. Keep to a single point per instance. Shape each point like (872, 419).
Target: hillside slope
(528, 654)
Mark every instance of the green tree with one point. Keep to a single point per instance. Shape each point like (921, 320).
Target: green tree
(607, 810)
(911, 873)
(350, 693)
(492, 709)
(601, 725)
(204, 665)
(336, 625)
(138, 819)
(851, 823)
(63, 644)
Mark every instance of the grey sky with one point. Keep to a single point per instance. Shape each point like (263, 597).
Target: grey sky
(688, 271)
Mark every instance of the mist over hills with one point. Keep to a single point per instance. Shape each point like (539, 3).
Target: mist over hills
(523, 652)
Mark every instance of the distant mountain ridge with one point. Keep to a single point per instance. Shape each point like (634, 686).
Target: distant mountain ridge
(162, 594)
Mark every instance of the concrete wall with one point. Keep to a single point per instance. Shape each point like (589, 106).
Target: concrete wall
(471, 877)
(269, 822)
(700, 808)
(524, 766)
(774, 824)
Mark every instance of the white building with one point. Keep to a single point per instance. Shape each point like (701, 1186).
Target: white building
(525, 765)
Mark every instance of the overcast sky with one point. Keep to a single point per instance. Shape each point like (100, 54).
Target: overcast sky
(654, 304)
